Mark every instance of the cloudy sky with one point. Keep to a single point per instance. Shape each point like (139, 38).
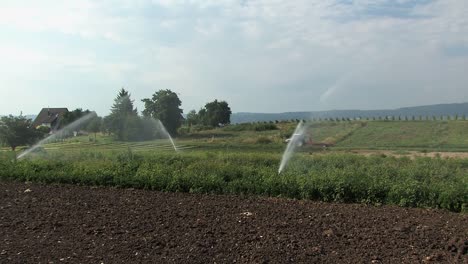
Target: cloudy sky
(259, 55)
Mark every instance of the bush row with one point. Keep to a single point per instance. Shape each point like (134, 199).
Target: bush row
(423, 182)
(251, 127)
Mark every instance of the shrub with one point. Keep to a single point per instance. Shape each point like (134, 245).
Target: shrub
(422, 182)
(251, 127)
(264, 140)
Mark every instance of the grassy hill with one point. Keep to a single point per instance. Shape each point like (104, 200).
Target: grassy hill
(419, 135)
(428, 135)
(411, 134)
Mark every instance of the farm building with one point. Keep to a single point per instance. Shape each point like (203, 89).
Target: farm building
(50, 117)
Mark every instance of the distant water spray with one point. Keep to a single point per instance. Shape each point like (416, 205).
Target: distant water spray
(292, 145)
(164, 131)
(62, 133)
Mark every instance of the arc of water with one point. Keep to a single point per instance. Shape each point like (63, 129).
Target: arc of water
(59, 134)
(292, 144)
(164, 130)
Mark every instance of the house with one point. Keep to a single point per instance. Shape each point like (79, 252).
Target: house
(50, 117)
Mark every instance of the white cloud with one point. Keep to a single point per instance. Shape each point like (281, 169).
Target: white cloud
(326, 51)
(82, 18)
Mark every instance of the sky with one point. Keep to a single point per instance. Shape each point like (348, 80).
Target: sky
(258, 55)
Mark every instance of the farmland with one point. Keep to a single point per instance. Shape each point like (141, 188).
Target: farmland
(240, 131)
(243, 159)
(79, 224)
(377, 166)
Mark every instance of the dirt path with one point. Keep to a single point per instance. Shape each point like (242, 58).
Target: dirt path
(63, 224)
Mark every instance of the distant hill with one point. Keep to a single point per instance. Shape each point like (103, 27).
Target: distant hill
(426, 110)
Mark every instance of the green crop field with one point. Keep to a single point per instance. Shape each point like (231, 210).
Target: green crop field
(244, 160)
(410, 134)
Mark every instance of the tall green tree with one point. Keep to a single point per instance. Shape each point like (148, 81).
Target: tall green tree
(216, 113)
(72, 116)
(123, 120)
(94, 126)
(165, 106)
(18, 131)
(203, 117)
(192, 118)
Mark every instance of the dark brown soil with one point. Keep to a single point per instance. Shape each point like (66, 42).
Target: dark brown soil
(60, 224)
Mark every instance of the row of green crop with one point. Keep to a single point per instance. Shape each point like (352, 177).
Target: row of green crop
(251, 127)
(423, 182)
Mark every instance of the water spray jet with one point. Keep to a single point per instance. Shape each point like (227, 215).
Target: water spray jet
(59, 134)
(164, 131)
(295, 140)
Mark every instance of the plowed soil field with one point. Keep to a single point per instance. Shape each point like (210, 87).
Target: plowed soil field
(74, 224)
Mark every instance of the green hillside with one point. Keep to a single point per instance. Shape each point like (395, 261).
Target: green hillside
(409, 134)
(418, 135)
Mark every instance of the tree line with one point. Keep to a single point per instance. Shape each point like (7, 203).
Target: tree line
(124, 121)
(394, 118)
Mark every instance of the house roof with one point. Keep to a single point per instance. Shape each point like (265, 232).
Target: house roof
(49, 115)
